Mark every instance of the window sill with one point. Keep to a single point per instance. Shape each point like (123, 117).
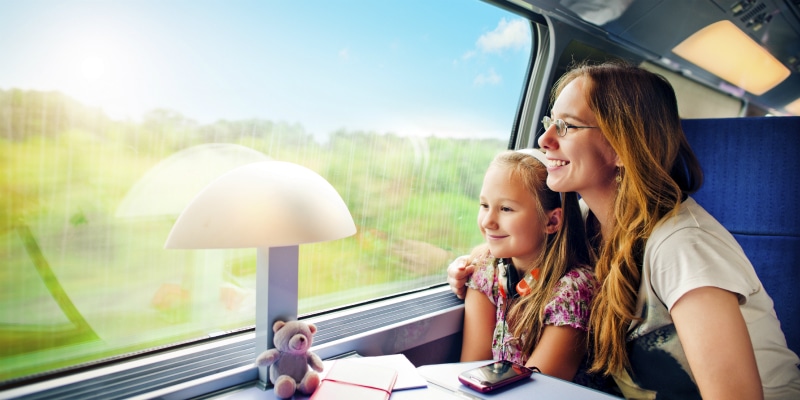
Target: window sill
(388, 326)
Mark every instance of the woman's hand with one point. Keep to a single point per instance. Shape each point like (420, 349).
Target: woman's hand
(457, 274)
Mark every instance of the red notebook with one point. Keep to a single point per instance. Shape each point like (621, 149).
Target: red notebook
(353, 380)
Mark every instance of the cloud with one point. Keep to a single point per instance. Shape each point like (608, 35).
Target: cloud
(344, 54)
(513, 34)
(490, 77)
(508, 35)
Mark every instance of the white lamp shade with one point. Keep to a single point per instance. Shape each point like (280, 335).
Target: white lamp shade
(263, 204)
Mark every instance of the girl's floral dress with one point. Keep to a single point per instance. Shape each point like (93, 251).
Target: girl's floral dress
(569, 306)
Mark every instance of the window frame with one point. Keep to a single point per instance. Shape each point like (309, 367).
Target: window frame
(226, 363)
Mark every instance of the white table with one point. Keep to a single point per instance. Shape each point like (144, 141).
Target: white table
(443, 384)
(444, 378)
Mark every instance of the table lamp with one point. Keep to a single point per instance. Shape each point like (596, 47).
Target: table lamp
(273, 206)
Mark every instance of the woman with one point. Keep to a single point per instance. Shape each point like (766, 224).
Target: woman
(680, 312)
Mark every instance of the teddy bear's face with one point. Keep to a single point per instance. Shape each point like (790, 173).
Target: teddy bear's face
(293, 338)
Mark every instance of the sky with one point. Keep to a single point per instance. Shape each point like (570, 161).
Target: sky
(412, 67)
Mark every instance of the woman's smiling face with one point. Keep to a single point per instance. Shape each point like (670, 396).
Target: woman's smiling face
(582, 160)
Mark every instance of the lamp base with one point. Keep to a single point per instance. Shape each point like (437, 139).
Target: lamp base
(276, 269)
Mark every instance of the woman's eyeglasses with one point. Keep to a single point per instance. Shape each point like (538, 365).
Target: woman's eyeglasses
(561, 126)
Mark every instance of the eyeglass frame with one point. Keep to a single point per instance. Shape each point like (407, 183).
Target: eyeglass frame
(561, 125)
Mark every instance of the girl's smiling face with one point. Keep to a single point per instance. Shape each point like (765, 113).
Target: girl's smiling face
(509, 218)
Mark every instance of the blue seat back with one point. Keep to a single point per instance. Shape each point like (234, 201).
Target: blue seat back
(752, 186)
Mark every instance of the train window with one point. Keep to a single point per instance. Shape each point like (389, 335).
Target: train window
(114, 114)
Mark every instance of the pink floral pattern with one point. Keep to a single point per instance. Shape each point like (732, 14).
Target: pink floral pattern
(569, 306)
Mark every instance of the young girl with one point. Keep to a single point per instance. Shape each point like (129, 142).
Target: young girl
(529, 298)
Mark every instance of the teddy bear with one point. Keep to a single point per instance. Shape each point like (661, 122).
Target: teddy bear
(290, 359)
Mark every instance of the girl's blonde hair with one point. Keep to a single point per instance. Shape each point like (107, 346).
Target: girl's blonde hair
(564, 249)
(638, 114)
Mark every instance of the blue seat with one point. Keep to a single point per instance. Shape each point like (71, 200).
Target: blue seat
(752, 186)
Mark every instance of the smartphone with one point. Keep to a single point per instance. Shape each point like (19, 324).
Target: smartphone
(492, 376)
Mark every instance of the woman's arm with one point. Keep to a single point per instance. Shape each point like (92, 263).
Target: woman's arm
(559, 352)
(717, 344)
(479, 323)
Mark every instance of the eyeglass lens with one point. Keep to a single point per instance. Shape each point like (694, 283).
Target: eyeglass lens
(561, 126)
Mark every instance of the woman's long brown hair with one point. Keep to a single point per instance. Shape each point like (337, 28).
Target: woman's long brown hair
(638, 114)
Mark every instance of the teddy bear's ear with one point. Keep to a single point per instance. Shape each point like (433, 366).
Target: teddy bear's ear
(312, 328)
(278, 325)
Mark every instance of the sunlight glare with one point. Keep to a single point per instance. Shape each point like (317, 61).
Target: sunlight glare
(93, 68)
(101, 73)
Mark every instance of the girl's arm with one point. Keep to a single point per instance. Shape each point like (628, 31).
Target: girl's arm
(559, 352)
(717, 344)
(479, 323)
